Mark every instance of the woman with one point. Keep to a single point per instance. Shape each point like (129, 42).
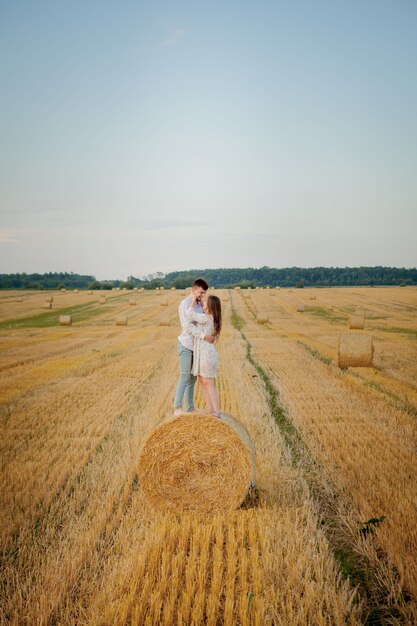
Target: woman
(206, 360)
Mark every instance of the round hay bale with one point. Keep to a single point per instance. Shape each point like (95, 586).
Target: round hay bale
(49, 299)
(47, 305)
(300, 308)
(135, 288)
(355, 351)
(226, 299)
(76, 291)
(356, 321)
(158, 293)
(262, 318)
(271, 292)
(164, 302)
(65, 320)
(90, 292)
(165, 321)
(63, 290)
(121, 320)
(197, 463)
(102, 299)
(277, 287)
(237, 288)
(132, 302)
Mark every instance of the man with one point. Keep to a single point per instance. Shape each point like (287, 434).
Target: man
(187, 380)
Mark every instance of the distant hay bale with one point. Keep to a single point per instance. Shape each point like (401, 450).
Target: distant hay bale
(225, 299)
(19, 300)
(165, 321)
(300, 308)
(197, 463)
(76, 291)
(271, 292)
(158, 293)
(277, 287)
(357, 321)
(90, 292)
(172, 288)
(132, 302)
(65, 320)
(164, 302)
(47, 305)
(289, 291)
(183, 293)
(355, 351)
(103, 300)
(63, 290)
(313, 298)
(121, 320)
(237, 288)
(262, 318)
(49, 299)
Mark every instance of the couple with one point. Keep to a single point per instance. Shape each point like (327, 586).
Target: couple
(201, 321)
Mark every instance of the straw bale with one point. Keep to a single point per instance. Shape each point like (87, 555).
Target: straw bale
(132, 302)
(262, 318)
(312, 297)
(226, 299)
(102, 299)
(19, 300)
(47, 305)
(158, 293)
(237, 288)
(197, 463)
(49, 299)
(65, 320)
(76, 291)
(172, 288)
(183, 293)
(90, 293)
(300, 308)
(121, 320)
(356, 321)
(277, 287)
(355, 350)
(165, 320)
(63, 290)
(164, 302)
(271, 292)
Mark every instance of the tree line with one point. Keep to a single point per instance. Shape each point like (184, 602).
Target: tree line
(225, 278)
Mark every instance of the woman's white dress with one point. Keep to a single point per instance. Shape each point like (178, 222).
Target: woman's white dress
(205, 357)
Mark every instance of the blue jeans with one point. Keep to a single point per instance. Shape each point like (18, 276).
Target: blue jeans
(186, 381)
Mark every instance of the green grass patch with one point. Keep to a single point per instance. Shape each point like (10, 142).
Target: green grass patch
(237, 321)
(79, 313)
(326, 314)
(315, 353)
(396, 329)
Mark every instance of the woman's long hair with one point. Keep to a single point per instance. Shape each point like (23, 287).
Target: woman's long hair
(215, 308)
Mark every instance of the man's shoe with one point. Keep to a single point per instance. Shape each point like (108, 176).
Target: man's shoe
(178, 412)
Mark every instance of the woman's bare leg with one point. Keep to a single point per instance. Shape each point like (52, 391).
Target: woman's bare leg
(213, 395)
(205, 393)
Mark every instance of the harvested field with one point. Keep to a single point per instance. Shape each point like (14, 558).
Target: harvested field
(335, 450)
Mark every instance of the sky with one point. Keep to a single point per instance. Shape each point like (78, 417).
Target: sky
(144, 136)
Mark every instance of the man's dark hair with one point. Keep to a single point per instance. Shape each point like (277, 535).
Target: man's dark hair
(199, 282)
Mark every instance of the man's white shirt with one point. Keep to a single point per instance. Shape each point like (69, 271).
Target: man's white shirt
(189, 329)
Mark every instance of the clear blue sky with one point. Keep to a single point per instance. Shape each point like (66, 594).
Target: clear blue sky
(150, 136)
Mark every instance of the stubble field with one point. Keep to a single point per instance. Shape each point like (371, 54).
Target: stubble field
(330, 537)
